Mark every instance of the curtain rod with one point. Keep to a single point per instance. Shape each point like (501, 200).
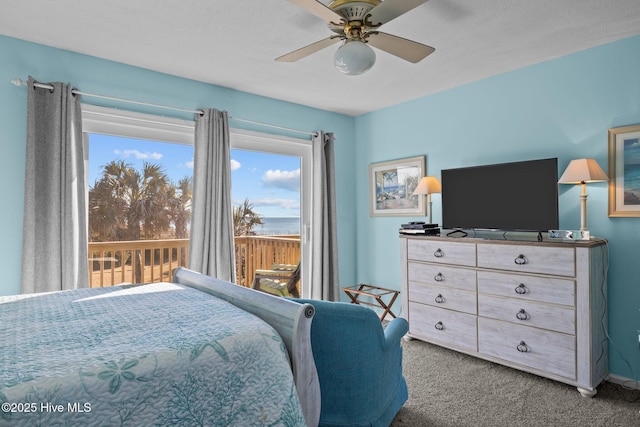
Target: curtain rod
(21, 82)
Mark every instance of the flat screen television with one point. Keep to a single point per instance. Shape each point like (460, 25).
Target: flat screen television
(518, 196)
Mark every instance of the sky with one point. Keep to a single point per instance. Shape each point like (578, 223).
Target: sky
(270, 181)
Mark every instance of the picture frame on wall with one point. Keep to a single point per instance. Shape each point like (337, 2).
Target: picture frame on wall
(624, 171)
(391, 184)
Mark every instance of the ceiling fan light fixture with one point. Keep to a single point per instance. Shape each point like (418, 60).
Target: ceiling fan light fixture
(354, 57)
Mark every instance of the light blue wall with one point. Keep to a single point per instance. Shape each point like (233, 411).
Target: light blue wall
(561, 108)
(89, 74)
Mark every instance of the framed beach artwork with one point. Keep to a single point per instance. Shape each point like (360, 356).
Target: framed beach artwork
(624, 171)
(391, 184)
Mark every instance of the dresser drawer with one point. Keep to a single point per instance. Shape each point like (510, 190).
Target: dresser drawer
(438, 296)
(442, 275)
(529, 288)
(442, 252)
(529, 259)
(552, 352)
(446, 327)
(528, 313)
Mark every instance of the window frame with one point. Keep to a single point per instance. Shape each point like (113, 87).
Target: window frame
(275, 144)
(129, 124)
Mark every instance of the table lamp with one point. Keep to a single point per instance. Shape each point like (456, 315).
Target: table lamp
(583, 171)
(428, 185)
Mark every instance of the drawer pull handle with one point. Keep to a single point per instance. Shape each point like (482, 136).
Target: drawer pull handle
(522, 315)
(439, 299)
(521, 260)
(521, 289)
(438, 277)
(439, 326)
(523, 347)
(438, 253)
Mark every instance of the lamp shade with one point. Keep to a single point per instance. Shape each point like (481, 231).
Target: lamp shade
(427, 185)
(354, 57)
(582, 171)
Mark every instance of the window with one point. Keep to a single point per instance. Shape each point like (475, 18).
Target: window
(139, 177)
(145, 139)
(274, 147)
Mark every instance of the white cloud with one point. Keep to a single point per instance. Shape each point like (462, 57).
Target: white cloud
(235, 165)
(288, 180)
(280, 203)
(138, 154)
(188, 165)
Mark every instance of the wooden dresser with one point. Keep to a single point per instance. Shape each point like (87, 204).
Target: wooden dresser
(535, 306)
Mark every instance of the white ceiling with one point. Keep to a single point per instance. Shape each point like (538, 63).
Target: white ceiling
(233, 43)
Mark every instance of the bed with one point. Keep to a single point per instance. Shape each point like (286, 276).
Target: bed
(196, 351)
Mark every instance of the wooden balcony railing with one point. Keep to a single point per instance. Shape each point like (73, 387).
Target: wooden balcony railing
(140, 261)
(260, 252)
(145, 261)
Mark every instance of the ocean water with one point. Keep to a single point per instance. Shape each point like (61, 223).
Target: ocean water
(277, 226)
(632, 177)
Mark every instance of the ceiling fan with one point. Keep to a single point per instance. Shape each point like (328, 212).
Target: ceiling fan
(356, 23)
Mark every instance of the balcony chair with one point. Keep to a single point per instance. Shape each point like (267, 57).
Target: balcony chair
(359, 364)
(281, 280)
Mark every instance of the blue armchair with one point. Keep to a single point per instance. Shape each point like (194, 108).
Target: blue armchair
(359, 364)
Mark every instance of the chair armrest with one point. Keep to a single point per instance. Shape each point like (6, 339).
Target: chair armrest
(271, 275)
(394, 331)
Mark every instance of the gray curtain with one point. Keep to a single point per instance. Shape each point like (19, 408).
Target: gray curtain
(211, 249)
(324, 243)
(54, 248)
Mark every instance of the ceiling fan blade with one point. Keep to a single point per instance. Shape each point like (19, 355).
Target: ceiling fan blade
(308, 50)
(402, 48)
(391, 9)
(318, 9)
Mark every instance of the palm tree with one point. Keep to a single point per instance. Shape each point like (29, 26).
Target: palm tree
(104, 213)
(180, 211)
(153, 210)
(410, 184)
(245, 219)
(124, 203)
(180, 206)
(389, 176)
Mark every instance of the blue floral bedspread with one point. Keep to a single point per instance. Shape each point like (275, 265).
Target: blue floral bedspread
(153, 355)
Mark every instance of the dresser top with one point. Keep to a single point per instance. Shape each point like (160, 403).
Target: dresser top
(520, 240)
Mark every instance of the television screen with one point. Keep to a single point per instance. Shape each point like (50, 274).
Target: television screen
(518, 196)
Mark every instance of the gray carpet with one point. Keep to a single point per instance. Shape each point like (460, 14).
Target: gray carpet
(450, 389)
